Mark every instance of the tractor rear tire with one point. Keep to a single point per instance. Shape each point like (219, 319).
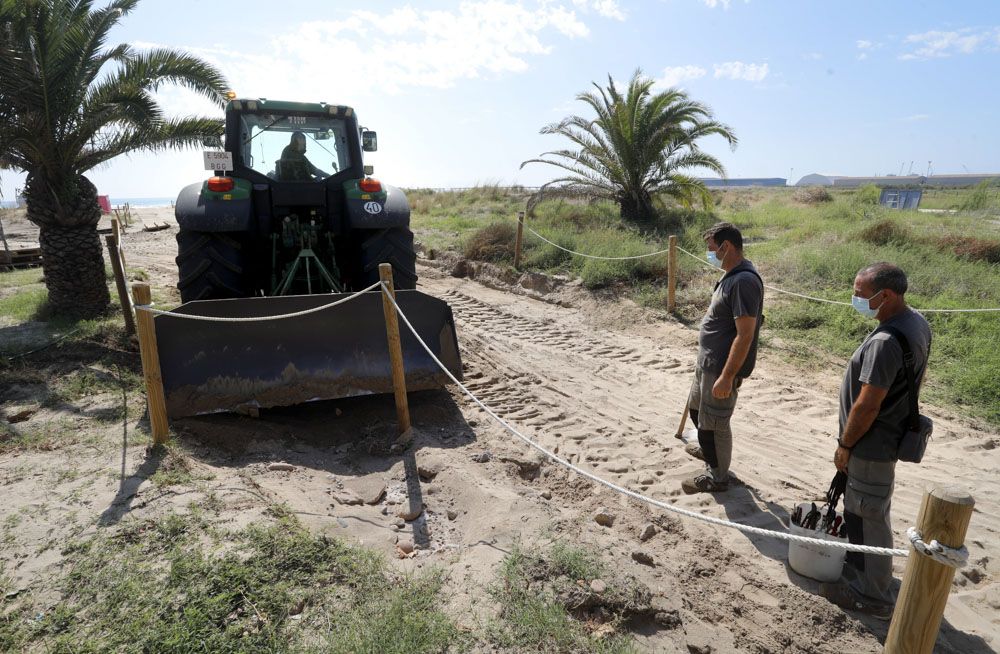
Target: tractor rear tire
(211, 266)
(392, 245)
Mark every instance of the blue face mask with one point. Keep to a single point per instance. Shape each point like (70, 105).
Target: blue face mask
(713, 259)
(860, 305)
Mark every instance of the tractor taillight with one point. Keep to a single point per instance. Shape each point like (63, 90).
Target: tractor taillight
(370, 185)
(220, 184)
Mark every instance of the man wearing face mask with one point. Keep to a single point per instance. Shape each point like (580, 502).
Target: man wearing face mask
(874, 407)
(727, 351)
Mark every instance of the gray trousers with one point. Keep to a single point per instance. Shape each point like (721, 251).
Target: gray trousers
(714, 433)
(866, 512)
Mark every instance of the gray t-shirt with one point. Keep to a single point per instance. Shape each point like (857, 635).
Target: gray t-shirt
(739, 293)
(879, 361)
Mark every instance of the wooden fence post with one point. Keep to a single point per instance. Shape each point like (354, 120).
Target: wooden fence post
(944, 516)
(118, 267)
(395, 348)
(518, 240)
(155, 400)
(672, 274)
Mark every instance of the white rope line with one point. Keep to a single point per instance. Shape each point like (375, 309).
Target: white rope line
(843, 304)
(594, 256)
(950, 556)
(158, 312)
(850, 547)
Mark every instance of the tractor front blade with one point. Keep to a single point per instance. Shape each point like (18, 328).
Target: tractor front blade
(337, 352)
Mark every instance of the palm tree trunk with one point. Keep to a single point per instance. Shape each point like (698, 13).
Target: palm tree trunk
(72, 257)
(73, 262)
(636, 209)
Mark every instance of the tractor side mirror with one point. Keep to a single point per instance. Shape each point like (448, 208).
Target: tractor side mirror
(369, 141)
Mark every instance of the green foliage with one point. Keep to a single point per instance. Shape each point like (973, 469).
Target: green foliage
(885, 232)
(156, 586)
(867, 195)
(532, 620)
(639, 144)
(985, 196)
(69, 104)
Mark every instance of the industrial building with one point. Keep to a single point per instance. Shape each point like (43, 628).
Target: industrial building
(899, 181)
(715, 182)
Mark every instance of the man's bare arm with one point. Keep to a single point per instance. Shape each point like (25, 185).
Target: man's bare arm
(746, 327)
(863, 413)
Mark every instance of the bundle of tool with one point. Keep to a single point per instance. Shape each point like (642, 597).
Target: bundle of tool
(824, 518)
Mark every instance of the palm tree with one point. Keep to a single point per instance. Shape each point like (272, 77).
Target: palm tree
(68, 104)
(638, 146)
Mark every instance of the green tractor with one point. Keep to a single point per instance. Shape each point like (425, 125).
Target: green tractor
(293, 221)
(294, 210)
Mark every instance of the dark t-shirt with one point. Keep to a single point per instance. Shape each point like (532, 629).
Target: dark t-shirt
(740, 293)
(879, 361)
(295, 166)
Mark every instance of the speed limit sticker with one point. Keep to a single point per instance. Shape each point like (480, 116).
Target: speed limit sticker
(373, 207)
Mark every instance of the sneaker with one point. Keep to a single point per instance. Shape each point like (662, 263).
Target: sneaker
(694, 450)
(846, 598)
(703, 484)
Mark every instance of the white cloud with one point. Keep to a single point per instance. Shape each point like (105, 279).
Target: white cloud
(935, 43)
(916, 117)
(865, 45)
(606, 8)
(741, 71)
(712, 4)
(403, 48)
(674, 75)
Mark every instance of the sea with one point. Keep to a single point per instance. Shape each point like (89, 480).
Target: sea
(117, 202)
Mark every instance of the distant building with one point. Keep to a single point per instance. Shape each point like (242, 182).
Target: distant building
(954, 181)
(888, 180)
(715, 182)
(815, 179)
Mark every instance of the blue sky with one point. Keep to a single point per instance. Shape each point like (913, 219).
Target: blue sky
(459, 91)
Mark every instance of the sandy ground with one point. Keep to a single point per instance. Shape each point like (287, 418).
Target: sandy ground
(602, 382)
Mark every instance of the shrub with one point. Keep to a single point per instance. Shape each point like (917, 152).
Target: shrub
(968, 247)
(886, 231)
(984, 196)
(813, 195)
(494, 242)
(867, 195)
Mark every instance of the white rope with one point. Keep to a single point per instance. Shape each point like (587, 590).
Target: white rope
(950, 556)
(843, 304)
(850, 547)
(157, 312)
(594, 256)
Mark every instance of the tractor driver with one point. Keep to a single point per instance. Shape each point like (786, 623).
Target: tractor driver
(293, 165)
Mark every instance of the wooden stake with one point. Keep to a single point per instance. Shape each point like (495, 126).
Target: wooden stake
(395, 348)
(944, 516)
(518, 240)
(672, 274)
(155, 400)
(119, 268)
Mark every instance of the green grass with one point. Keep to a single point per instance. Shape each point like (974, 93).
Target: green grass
(951, 260)
(173, 585)
(531, 617)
